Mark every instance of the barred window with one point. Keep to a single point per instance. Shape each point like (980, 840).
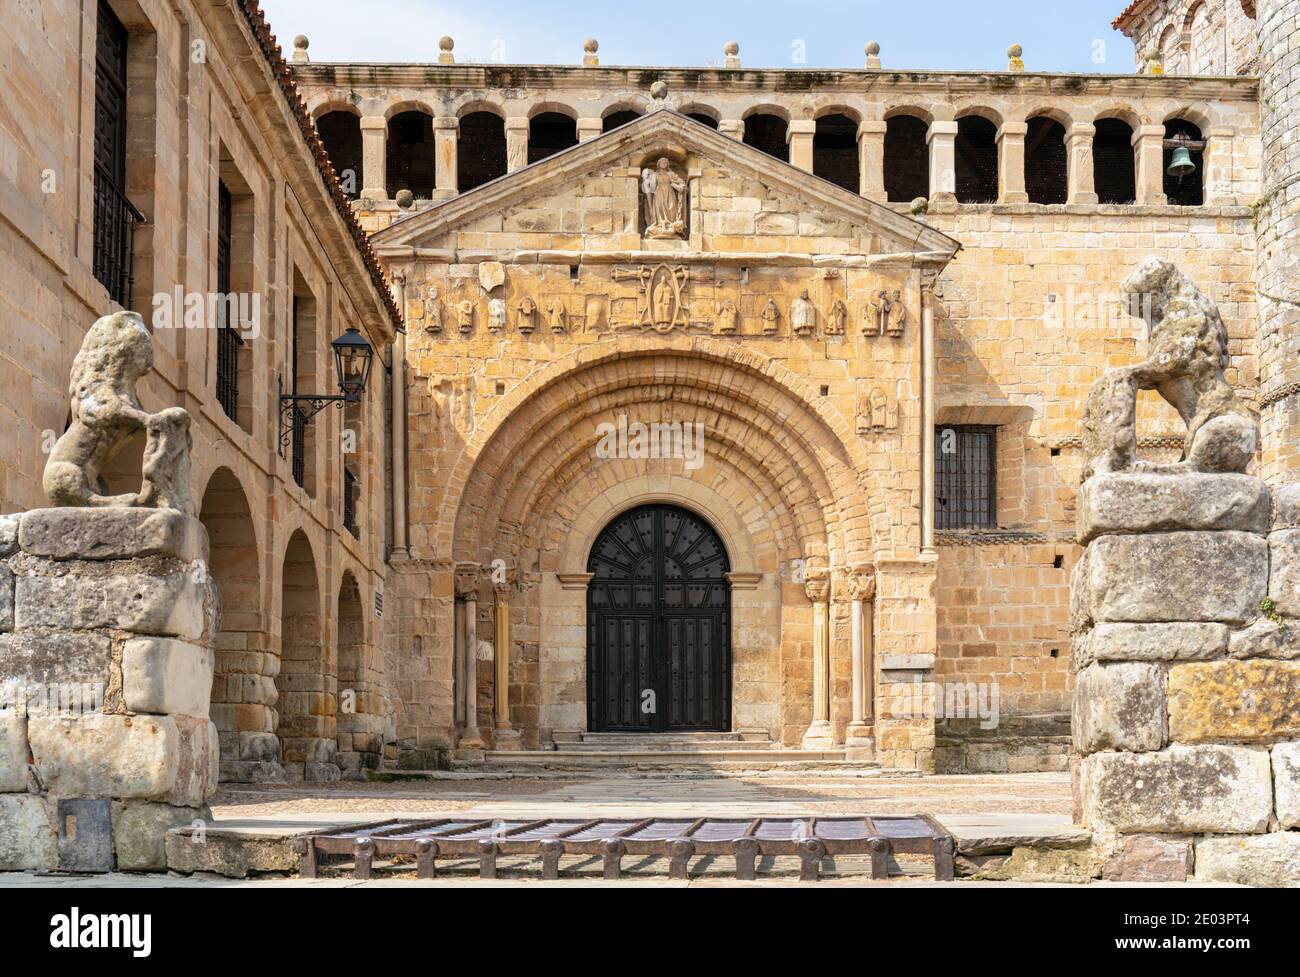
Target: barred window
(965, 478)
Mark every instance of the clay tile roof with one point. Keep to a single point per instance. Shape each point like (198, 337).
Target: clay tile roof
(1122, 21)
(280, 68)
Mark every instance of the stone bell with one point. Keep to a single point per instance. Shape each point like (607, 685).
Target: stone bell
(1181, 164)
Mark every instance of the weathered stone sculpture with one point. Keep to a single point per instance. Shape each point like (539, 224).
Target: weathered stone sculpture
(108, 616)
(1188, 353)
(115, 354)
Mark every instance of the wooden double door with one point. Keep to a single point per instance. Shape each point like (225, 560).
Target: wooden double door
(658, 625)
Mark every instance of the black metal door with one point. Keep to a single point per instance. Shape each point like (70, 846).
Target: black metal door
(658, 625)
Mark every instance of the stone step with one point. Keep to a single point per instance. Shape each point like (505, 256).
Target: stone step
(650, 759)
(689, 737)
(651, 744)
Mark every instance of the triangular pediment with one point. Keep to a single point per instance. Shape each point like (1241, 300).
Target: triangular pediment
(771, 198)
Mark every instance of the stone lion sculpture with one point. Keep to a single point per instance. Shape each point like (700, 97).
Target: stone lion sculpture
(1188, 353)
(116, 352)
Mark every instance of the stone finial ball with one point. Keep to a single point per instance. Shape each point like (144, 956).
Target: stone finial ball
(920, 205)
(732, 48)
(405, 198)
(1015, 51)
(445, 43)
(1151, 55)
(300, 42)
(590, 45)
(659, 90)
(872, 48)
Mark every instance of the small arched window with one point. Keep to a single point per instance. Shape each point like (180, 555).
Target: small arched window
(907, 159)
(480, 150)
(977, 160)
(341, 134)
(550, 132)
(835, 151)
(1114, 168)
(1184, 189)
(1046, 166)
(410, 154)
(768, 133)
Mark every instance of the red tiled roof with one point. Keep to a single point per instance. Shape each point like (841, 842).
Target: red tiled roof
(280, 68)
(1122, 21)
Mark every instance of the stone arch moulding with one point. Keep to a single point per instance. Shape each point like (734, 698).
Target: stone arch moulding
(839, 449)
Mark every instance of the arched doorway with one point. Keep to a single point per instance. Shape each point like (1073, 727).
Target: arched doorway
(658, 624)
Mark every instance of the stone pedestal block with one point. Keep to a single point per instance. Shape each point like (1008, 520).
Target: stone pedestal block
(1271, 860)
(1177, 576)
(1139, 502)
(1180, 790)
(1120, 707)
(106, 667)
(1257, 700)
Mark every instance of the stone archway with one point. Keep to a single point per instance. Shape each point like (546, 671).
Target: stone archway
(360, 688)
(306, 681)
(243, 688)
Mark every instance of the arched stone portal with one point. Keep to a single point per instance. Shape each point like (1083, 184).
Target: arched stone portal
(306, 681)
(742, 442)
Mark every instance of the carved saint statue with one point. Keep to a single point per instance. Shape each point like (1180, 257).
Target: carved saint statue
(496, 315)
(838, 317)
(896, 317)
(665, 201)
(558, 316)
(727, 318)
(527, 315)
(803, 315)
(874, 414)
(465, 315)
(432, 311)
(770, 315)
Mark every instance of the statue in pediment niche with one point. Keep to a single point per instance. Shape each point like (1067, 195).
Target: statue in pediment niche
(839, 315)
(803, 315)
(496, 315)
(558, 316)
(527, 315)
(770, 316)
(886, 316)
(432, 311)
(875, 416)
(465, 315)
(727, 314)
(665, 201)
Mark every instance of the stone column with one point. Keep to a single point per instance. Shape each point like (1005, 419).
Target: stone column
(820, 735)
(397, 410)
(1187, 687)
(942, 138)
(446, 133)
(1277, 251)
(927, 418)
(374, 157)
(517, 130)
(799, 134)
(1082, 179)
(1218, 167)
(467, 583)
(505, 735)
(735, 128)
(862, 591)
(871, 160)
(1149, 152)
(590, 128)
(1011, 163)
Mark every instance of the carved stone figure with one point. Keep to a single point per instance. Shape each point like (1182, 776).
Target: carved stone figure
(770, 315)
(496, 315)
(115, 354)
(665, 201)
(838, 317)
(727, 318)
(432, 311)
(558, 316)
(803, 315)
(527, 315)
(875, 315)
(1188, 353)
(465, 315)
(874, 415)
(895, 315)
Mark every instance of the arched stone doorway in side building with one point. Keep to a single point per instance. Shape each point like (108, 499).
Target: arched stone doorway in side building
(658, 624)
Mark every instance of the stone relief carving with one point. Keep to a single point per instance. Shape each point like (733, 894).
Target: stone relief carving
(116, 352)
(496, 315)
(886, 315)
(558, 316)
(664, 193)
(771, 316)
(837, 318)
(727, 314)
(527, 309)
(465, 315)
(803, 315)
(491, 274)
(432, 311)
(661, 297)
(874, 414)
(1188, 351)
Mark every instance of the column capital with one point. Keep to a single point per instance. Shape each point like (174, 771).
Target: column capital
(1148, 132)
(735, 128)
(872, 127)
(446, 122)
(1080, 130)
(517, 123)
(467, 580)
(589, 128)
(1015, 130)
(373, 122)
(800, 127)
(504, 587)
(862, 584)
(818, 588)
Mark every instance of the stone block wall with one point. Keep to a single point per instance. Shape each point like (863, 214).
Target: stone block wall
(107, 618)
(1188, 689)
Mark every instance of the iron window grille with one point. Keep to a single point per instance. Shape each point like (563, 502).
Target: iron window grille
(115, 217)
(350, 503)
(965, 477)
(229, 340)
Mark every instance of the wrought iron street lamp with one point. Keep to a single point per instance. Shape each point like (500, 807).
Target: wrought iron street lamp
(353, 357)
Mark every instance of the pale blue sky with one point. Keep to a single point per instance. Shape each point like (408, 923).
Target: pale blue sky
(1057, 35)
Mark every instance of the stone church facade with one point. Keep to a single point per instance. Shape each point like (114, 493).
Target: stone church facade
(716, 400)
